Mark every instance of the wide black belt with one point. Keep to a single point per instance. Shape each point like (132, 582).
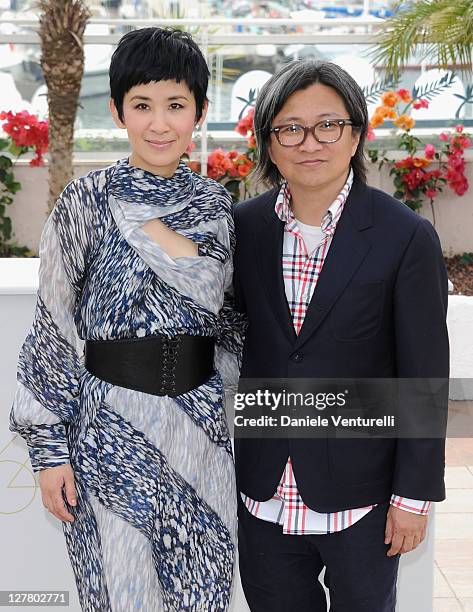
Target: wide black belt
(152, 364)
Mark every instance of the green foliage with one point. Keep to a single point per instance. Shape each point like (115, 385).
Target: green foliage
(373, 91)
(466, 259)
(8, 187)
(443, 27)
(430, 90)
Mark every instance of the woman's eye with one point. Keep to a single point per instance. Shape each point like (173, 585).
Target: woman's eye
(293, 129)
(142, 106)
(176, 105)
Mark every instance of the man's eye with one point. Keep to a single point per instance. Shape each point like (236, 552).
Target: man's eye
(328, 125)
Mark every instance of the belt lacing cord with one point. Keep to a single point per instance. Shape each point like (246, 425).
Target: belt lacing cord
(170, 354)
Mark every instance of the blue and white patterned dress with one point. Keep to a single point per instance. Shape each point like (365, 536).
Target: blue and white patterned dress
(155, 521)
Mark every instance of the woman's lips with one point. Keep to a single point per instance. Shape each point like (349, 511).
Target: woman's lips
(160, 145)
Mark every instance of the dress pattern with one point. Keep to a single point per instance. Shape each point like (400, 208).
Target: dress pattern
(154, 526)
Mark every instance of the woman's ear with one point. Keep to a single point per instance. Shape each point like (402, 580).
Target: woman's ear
(116, 119)
(204, 114)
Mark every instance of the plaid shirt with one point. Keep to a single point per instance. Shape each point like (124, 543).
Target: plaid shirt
(301, 271)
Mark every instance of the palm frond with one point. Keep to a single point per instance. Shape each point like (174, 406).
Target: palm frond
(430, 90)
(373, 91)
(443, 28)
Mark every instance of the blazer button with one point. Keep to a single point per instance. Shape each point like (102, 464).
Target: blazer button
(297, 357)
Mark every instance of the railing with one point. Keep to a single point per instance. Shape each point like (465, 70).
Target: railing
(213, 32)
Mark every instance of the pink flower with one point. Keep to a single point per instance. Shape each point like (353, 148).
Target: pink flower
(457, 162)
(370, 135)
(421, 103)
(431, 193)
(429, 151)
(459, 128)
(443, 136)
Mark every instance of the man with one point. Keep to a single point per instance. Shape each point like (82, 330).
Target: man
(338, 280)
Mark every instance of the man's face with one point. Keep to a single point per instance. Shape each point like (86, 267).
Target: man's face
(313, 165)
(159, 118)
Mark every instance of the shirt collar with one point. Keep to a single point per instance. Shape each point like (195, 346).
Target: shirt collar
(284, 211)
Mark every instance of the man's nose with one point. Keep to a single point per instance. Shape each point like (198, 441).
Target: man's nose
(311, 143)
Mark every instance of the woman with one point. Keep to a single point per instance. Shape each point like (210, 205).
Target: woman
(131, 442)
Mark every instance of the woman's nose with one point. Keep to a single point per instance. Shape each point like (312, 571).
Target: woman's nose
(158, 123)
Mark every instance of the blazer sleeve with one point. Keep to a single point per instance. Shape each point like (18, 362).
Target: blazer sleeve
(50, 359)
(422, 352)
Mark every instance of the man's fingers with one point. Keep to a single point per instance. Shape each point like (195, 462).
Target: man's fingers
(396, 545)
(70, 490)
(388, 532)
(423, 533)
(407, 545)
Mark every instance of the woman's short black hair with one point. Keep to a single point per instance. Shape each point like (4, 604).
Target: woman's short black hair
(296, 76)
(158, 54)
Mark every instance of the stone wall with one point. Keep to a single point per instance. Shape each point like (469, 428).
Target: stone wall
(454, 215)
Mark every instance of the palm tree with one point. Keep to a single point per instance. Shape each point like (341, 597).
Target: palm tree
(62, 25)
(445, 27)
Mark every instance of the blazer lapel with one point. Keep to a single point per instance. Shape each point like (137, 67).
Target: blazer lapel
(348, 250)
(269, 248)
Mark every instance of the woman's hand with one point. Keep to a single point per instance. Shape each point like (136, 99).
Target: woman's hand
(51, 482)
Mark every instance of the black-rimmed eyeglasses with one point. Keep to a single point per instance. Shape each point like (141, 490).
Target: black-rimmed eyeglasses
(325, 132)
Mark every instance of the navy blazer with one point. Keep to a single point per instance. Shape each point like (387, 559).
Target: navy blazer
(378, 310)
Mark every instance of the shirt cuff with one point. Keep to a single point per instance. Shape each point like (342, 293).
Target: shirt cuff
(416, 506)
(47, 445)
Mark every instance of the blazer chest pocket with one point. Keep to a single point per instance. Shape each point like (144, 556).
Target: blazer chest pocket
(357, 313)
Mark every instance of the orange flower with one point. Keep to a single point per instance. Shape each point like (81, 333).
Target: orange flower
(420, 162)
(390, 113)
(404, 122)
(405, 95)
(390, 98)
(380, 114)
(244, 169)
(194, 165)
(251, 142)
(243, 165)
(386, 112)
(218, 164)
(376, 120)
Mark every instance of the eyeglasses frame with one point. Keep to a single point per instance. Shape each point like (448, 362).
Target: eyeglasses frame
(341, 122)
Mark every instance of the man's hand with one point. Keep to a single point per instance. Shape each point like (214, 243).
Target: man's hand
(404, 530)
(52, 481)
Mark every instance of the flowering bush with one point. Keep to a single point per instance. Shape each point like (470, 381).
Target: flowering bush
(422, 175)
(24, 133)
(231, 168)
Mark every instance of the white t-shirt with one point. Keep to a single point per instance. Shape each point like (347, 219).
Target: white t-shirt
(312, 235)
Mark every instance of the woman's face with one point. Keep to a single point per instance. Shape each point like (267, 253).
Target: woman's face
(159, 118)
(312, 165)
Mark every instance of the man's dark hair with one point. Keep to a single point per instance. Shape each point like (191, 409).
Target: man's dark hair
(296, 76)
(158, 54)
